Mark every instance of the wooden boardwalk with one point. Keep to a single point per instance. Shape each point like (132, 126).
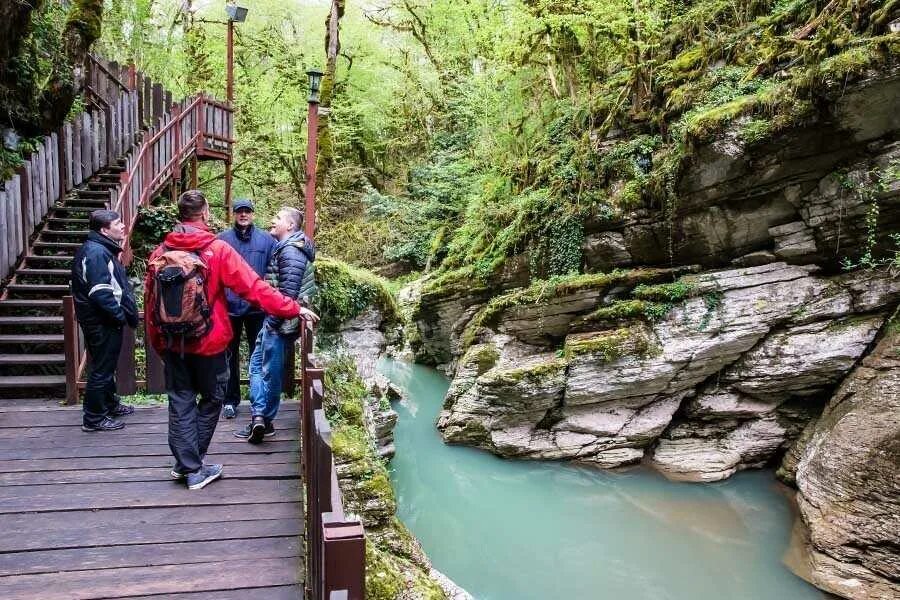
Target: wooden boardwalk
(96, 515)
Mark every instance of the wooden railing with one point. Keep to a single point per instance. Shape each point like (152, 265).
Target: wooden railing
(335, 541)
(133, 371)
(140, 368)
(195, 127)
(90, 141)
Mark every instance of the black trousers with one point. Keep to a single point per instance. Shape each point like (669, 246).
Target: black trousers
(192, 422)
(249, 324)
(104, 342)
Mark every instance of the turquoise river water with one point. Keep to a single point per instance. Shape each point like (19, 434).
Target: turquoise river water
(523, 530)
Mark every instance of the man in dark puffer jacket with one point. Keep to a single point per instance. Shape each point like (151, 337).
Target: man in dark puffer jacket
(289, 272)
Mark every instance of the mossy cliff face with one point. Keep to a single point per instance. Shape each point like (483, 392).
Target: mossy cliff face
(716, 372)
(847, 476)
(359, 318)
(396, 566)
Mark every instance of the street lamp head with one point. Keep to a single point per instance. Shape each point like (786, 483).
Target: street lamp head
(315, 82)
(236, 13)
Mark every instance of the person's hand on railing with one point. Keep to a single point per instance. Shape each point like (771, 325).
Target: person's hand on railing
(308, 315)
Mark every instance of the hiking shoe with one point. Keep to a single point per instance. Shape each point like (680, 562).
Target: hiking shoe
(230, 411)
(176, 475)
(107, 424)
(207, 474)
(122, 410)
(270, 429)
(257, 430)
(244, 432)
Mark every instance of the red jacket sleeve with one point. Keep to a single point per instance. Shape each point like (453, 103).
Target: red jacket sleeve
(238, 276)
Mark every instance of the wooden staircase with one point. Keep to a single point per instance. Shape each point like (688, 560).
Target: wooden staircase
(32, 360)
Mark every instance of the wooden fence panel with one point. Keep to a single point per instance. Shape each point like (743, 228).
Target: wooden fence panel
(34, 199)
(148, 102)
(14, 191)
(158, 100)
(105, 129)
(27, 220)
(86, 154)
(75, 163)
(69, 156)
(5, 249)
(95, 138)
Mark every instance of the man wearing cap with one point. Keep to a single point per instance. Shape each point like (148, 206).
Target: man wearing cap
(256, 248)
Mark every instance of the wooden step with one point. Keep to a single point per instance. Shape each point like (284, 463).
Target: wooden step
(31, 381)
(68, 209)
(38, 288)
(91, 194)
(31, 338)
(28, 321)
(61, 232)
(101, 185)
(60, 245)
(68, 220)
(38, 261)
(44, 272)
(35, 303)
(32, 359)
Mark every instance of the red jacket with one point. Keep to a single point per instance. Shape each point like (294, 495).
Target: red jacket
(226, 269)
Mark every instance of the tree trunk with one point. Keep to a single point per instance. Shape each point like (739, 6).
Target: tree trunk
(15, 25)
(332, 50)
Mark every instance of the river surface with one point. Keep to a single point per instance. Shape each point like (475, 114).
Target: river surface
(523, 530)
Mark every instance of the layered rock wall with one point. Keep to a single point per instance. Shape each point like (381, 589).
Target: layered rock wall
(723, 382)
(848, 480)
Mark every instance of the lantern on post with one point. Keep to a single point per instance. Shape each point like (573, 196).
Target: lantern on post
(312, 130)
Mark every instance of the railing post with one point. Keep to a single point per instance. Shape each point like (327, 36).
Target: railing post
(71, 346)
(344, 557)
(126, 383)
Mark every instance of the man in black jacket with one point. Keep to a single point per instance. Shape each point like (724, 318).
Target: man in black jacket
(104, 303)
(290, 271)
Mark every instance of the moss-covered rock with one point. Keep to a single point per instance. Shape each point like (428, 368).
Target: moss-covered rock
(346, 291)
(396, 566)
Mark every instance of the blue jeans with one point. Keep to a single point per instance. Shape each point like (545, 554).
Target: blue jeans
(266, 373)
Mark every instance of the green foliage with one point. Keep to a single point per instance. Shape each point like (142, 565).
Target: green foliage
(665, 292)
(346, 291)
(868, 190)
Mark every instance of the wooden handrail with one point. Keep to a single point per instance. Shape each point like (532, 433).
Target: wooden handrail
(336, 545)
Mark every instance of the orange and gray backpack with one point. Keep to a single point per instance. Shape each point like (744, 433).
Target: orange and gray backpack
(181, 309)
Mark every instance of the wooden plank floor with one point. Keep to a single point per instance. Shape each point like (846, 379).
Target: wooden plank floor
(96, 515)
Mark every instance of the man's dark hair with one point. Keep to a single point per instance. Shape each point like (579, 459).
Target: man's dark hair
(191, 205)
(101, 219)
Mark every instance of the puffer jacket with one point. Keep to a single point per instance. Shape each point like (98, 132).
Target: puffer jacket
(255, 246)
(100, 287)
(224, 269)
(289, 273)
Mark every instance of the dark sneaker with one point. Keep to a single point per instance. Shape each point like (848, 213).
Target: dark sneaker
(230, 411)
(176, 475)
(244, 432)
(122, 410)
(106, 424)
(257, 430)
(270, 429)
(203, 477)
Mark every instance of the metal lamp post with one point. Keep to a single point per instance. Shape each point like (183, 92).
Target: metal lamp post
(312, 131)
(236, 14)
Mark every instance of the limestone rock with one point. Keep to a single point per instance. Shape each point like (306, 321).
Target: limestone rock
(605, 251)
(748, 359)
(849, 487)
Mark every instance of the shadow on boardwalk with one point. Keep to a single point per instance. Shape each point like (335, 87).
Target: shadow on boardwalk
(96, 515)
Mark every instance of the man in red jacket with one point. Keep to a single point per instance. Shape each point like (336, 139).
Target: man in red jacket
(199, 366)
